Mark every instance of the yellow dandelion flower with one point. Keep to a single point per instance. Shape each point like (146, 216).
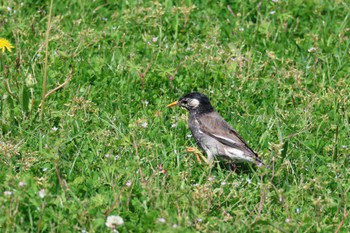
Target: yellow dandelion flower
(5, 44)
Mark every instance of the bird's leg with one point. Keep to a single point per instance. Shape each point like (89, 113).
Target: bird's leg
(197, 153)
(233, 166)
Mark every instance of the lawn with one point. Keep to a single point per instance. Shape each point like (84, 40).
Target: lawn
(97, 140)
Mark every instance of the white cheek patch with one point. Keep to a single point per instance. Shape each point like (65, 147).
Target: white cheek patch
(194, 103)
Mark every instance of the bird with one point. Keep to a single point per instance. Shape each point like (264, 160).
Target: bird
(212, 133)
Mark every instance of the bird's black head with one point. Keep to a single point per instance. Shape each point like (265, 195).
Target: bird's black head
(195, 102)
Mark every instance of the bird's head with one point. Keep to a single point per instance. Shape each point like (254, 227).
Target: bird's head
(194, 102)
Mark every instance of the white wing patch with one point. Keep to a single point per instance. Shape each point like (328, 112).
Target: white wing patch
(237, 155)
(230, 140)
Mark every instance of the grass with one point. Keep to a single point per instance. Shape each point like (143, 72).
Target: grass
(278, 71)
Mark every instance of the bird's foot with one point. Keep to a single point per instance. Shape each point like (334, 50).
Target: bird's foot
(233, 166)
(197, 153)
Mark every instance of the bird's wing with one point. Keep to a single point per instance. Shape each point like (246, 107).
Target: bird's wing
(215, 126)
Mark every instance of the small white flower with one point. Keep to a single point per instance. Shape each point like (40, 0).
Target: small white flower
(189, 135)
(83, 231)
(275, 0)
(155, 39)
(113, 221)
(175, 151)
(42, 193)
(173, 125)
(188, 49)
(166, 46)
(175, 225)
(22, 184)
(211, 178)
(288, 220)
(241, 29)
(146, 102)
(297, 210)
(9, 8)
(272, 12)
(107, 156)
(54, 128)
(311, 49)
(116, 157)
(144, 124)
(161, 220)
(199, 220)
(45, 169)
(7, 193)
(104, 19)
(249, 181)
(195, 185)
(223, 183)
(128, 183)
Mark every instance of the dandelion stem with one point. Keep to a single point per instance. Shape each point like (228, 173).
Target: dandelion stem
(46, 58)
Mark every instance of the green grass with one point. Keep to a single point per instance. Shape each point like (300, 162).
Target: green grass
(277, 71)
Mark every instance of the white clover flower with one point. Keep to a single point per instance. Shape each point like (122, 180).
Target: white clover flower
(22, 184)
(155, 39)
(223, 183)
(174, 125)
(146, 102)
(114, 221)
(107, 156)
(144, 125)
(161, 220)
(175, 225)
(272, 12)
(211, 178)
(45, 169)
(8, 9)
(54, 128)
(249, 181)
(189, 135)
(8, 193)
(42, 193)
(311, 49)
(288, 220)
(128, 183)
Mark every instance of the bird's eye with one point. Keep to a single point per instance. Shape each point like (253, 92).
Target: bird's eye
(184, 102)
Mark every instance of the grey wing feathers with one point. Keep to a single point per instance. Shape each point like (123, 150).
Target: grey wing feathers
(215, 126)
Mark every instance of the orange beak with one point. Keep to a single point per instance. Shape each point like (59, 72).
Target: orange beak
(173, 104)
